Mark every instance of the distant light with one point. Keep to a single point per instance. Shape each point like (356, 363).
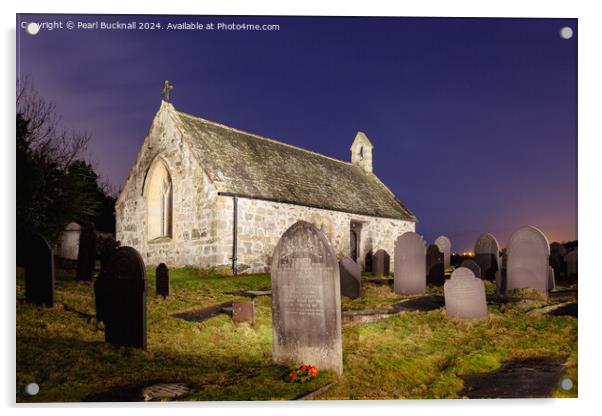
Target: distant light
(566, 32)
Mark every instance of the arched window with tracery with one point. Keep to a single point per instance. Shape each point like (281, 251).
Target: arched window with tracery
(159, 200)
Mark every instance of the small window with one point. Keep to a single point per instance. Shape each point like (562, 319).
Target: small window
(159, 201)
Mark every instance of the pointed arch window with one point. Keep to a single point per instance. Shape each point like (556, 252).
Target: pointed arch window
(159, 198)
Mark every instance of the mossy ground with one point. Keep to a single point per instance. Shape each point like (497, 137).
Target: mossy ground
(413, 355)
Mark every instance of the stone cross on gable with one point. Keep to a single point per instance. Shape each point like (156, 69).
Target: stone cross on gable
(166, 90)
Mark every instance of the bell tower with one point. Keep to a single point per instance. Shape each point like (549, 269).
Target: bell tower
(361, 152)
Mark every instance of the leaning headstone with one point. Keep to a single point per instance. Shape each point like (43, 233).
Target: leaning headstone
(243, 312)
(86, 256)
(381, 263)
(487, 252)
(551, 279)
(465, 295)
(571, 260)
(162, 280)
(435, 271)
(306, 300)
(350, 278)
(528, 251)
(557, 253)
(39, 272)
(410, 264)
(445, 247)
(124, 308)
(473, 266)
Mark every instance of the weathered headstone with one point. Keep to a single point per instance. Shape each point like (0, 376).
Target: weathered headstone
(243, 312)
(571, 260)
(473, 266)
(162, 280)
(124, 299)
(444, 245)
(381, 263)
(465, 295)
(368, 262)
(557, 253)
(435, 271)
(487, 252)
(86, 256)
(528, 251)
(410, 264)
(39, 272)
(306, 300)
(350, 278)
(551, 279)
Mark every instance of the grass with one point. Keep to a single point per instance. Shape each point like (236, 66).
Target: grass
(412, 355)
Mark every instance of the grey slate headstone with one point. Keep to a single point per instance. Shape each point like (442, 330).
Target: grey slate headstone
(306, 300)
(528, 252)
(465, 295)
(444, 245)
(473, 266)
(351, 276)
(487, 253)
(410, 264)
(86, 256)
(125, 290)
(435, 270)
(381, 263)
(571, 259)
(39, 272)
(162, 280)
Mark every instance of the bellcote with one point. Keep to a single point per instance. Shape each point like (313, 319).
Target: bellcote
(361, 152)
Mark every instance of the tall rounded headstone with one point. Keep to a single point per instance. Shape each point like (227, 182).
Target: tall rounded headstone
(444, 245)
(410, 264)
(351, 275)
(306, 300)
(381, 263)
(39, 272)
(487, 255)
(465, 295)
(473, 266)
(86, 256)
(435, 271)
(528, 252)
(125, 310)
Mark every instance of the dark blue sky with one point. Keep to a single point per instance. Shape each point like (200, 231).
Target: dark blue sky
(473, 121)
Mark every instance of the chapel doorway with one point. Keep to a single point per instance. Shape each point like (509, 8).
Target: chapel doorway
(355, 240)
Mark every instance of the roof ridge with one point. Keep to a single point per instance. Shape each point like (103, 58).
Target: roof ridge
(263, 137)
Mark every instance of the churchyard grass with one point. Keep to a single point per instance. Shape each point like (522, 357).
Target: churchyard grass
(412, 355)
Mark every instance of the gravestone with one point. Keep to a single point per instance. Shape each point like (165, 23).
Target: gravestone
(465, 295)
(350, 278)
(445, 247)
(487, 253)
(368, 262)
(410, 264)
(243, 312)
(86, 256)
(162, 280)
(571, 260)
(551, 278)
(501, 278)
(528, 252)
(435, 272)
(473, 266)
(381, 262)
(39, 272)
(557, 253)
(108, 247)
(306, 300)
(124, 299)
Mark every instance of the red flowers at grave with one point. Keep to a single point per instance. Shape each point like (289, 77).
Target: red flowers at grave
(303, 374)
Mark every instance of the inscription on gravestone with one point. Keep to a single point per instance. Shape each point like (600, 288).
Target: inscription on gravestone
(39, 272)
(444, 245)
(528, 255)
(124, 307)
(410, 264)
(487, 251)
(435, 266)
(350, 278)
(465, 295)
(306, 300)
(86, 256)
(162, 280)
(473, 266)
(380, 263)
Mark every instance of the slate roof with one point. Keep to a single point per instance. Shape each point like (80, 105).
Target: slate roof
(248, 165)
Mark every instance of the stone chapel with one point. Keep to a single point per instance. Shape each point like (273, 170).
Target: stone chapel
(205, 195)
